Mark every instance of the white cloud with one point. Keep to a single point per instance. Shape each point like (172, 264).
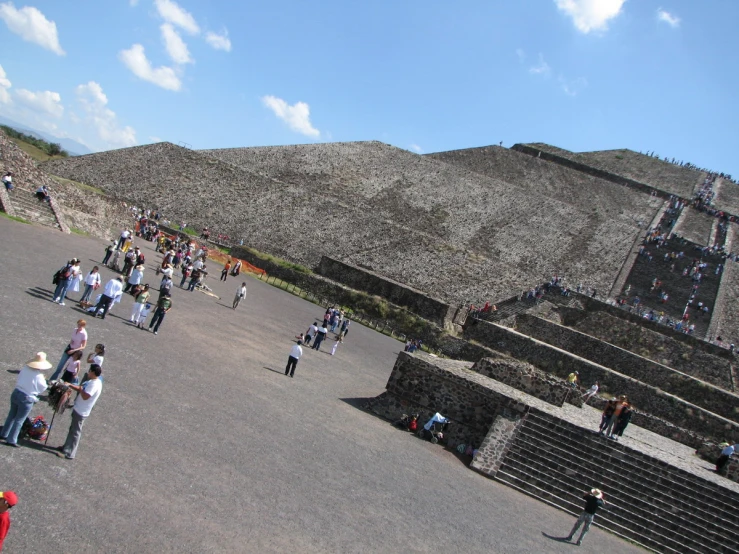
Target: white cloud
(417, 149)
(671, 19)
(32, 26)
(219, 42)
(542, 68)
(94, 102)
(573, 87)
(47, 102)
(172, 13)
(590, 15)
(4, 86)
(155, 139)
(521, 55)
(135, 59)
(133, 3)
(175, 46)
(296, 116)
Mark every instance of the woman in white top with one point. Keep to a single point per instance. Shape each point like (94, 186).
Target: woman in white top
(137, 275)
(30, 384)
(92, 282)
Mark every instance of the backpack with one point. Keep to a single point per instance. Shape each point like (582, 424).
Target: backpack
(37, 429)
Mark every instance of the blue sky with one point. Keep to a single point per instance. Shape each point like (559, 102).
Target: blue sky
(425, 76)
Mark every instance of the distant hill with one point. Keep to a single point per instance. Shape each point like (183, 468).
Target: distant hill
(72, 147)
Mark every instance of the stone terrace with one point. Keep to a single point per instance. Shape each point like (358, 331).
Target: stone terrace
(659, 174)
(452, 233)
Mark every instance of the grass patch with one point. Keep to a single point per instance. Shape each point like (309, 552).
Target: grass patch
(77, 231)
(279, 261)
(190, 231)
(83, 186)
(15, 218)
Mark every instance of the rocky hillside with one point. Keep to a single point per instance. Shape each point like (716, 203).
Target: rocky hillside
(454, 233)
(83, 209)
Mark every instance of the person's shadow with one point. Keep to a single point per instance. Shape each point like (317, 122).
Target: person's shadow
(269, 368)
(38, 292)
(558, 539)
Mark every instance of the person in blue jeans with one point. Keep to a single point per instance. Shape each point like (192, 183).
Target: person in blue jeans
(30, 384)
(66, 275)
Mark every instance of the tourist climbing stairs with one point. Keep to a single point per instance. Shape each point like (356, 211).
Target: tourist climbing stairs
(30, 208)
(649, 502)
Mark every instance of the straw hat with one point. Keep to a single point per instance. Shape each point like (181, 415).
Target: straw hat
(596, 493)
(39, 362)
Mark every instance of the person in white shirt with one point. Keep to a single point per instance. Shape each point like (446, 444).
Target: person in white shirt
(124, 236)
(311, 332)
(92, 282)
(240, 295)
(592, 391)
(292, 360)
(89, 392)
(29, 385)
(113, 289)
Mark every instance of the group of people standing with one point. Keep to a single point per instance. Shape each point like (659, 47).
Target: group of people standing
(333, 319)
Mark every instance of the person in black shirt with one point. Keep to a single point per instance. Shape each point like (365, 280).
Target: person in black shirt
(593, 501)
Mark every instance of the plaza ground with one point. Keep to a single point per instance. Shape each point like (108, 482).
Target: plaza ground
(199, 443)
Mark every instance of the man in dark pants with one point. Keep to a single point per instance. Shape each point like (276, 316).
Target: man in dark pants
(320, 335)
(89, 392)
(163, 306)
(113, 288)
(292, 360)
(593, 501)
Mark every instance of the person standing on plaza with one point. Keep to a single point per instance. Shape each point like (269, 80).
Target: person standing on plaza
(92, 282)
(138, 304)
(163, 306)
(226, 268)
(311, 332)
(64, 279)
(28, 386)
(89, 392)
(593, 501)
(292, 361)
(240, 295)
(320, 335)
(8, 499)
(109, 252)
(113, 289)
(122, 239)
(137, 275)
(78, 342)
(165, 287)
(345, 328)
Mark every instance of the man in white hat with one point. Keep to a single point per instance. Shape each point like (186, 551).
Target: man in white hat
(593, 501)
(30, 384)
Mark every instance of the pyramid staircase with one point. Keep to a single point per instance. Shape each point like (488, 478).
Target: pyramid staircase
(657, 505)
(30, 208)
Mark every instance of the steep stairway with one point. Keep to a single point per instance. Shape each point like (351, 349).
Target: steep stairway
(650, 502)
(28, 207)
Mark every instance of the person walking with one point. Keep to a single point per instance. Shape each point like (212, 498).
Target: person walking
(28, 386)
(165, 287)
(240, 295)
(163, 306)
(607, 416)
(320, 335)
(138, 305)
(311, 332)
(89, 392)
(725, 456)
(292, 361)
(226, 268)
(345, 328)
(8, 499)
(92, 282)
(64, 279)
(622, 421)
(593, 501)
(109, 252)
(113, 289)
(77, 342)
(195, 277)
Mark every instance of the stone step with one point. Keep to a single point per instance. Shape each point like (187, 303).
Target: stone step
(609, 454)
(640, 503)
(30, 208)
(597, 447)
(554, 497)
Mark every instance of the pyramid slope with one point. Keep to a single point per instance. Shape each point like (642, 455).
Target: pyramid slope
(450, 232)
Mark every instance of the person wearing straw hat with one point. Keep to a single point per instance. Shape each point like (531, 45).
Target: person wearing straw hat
(593, 501)
(30, 384)
(8, 499)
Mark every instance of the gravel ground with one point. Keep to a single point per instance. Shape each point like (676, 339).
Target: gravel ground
(199, 443)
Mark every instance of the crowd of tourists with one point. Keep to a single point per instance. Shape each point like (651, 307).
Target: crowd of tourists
(688, 165)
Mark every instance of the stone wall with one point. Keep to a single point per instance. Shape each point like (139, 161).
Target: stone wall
(397, 293)
(691, 389)
(696, 358)
(5, 204)
(525, 377)
(646, 398)
(499, 439)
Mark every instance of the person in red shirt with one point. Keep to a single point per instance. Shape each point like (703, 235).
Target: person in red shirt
(8, 499)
